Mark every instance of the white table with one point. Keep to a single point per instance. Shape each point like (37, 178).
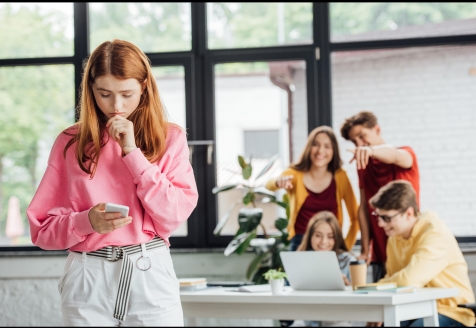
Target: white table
(389, 308)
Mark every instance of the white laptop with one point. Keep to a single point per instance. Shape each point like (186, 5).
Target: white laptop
(313, 270)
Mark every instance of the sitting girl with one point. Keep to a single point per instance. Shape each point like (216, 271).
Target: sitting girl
(323, 233)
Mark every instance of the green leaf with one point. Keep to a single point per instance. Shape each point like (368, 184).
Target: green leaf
(249, 218)
(242, 162)
(254, 265)
(268, 166)
(246, 172)
(274, 274)
(238, 241)
(216, 190)
(281, 224)
(283, 205)
(238, 232)
(244, 246)
(224, 219)
(284, 238)
(249, 197)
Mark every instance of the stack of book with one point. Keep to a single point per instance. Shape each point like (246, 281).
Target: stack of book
(388, 287)
(192, 284)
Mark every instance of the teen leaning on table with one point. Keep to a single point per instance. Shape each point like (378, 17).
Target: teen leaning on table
(317, 183)
(422, 252)
(121, 151)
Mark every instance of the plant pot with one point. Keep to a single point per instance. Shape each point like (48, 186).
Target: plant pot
(277, 286)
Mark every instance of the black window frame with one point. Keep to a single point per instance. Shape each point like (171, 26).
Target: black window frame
(198, 63)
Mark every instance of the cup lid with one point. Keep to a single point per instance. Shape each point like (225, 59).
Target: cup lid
(358, 262)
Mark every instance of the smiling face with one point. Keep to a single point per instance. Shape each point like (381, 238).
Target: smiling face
(321, 150)
(117, 97)
(362, 136)
(401, 222)
(323, 238)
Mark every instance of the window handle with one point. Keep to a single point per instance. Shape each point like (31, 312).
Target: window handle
(209, 154)
(208, 143)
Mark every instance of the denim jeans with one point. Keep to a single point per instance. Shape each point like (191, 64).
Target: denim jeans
(295, 242)
(444, 322)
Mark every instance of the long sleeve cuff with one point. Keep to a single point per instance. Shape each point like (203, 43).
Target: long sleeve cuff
(136, 163)
(81, 224)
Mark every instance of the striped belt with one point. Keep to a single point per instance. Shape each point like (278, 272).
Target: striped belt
(115, 253)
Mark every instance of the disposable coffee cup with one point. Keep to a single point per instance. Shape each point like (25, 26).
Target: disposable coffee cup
(358, 273)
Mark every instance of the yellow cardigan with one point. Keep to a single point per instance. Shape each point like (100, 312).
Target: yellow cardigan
(298, 195)
(431, 257)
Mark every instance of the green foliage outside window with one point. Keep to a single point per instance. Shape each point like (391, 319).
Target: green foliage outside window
(153, 27)
(355, 17)
(250, 24)
(36, 104)
(31, 31)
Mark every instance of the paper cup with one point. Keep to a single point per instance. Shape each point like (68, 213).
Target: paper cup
(358, 273)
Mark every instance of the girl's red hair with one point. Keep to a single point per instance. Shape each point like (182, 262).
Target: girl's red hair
(123, 60)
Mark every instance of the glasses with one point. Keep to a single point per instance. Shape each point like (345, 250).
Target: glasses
(386, 218)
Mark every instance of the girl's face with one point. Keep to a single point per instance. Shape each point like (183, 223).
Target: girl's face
(323, 238)
(117, 97)
(321, 150)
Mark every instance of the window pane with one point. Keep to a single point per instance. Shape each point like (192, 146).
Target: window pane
(36, 30)
(171, 84)
(424, 98)
(153, 27)
(399, 20)
(36, 104)
(249, 24)
(253, 104)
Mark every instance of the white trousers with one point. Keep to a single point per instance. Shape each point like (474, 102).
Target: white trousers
(89, 287)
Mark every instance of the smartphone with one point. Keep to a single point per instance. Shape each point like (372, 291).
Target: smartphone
(124, 210)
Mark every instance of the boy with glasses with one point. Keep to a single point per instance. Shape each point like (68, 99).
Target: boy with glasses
(422, 252)
(378, 163)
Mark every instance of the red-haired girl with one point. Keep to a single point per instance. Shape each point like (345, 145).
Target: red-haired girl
(123, 151)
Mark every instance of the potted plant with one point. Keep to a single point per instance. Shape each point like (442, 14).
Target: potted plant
(276, 280)
(266, 249)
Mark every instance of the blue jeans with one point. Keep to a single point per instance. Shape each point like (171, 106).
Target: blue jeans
(295, 242)
(444, 322)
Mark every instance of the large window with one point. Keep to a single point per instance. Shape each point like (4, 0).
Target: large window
(250, 79)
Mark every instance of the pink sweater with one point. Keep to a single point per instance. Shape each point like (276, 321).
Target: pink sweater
(160, 196)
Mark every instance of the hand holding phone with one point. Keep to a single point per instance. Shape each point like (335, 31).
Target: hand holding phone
(107, 217)
(115, 208)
